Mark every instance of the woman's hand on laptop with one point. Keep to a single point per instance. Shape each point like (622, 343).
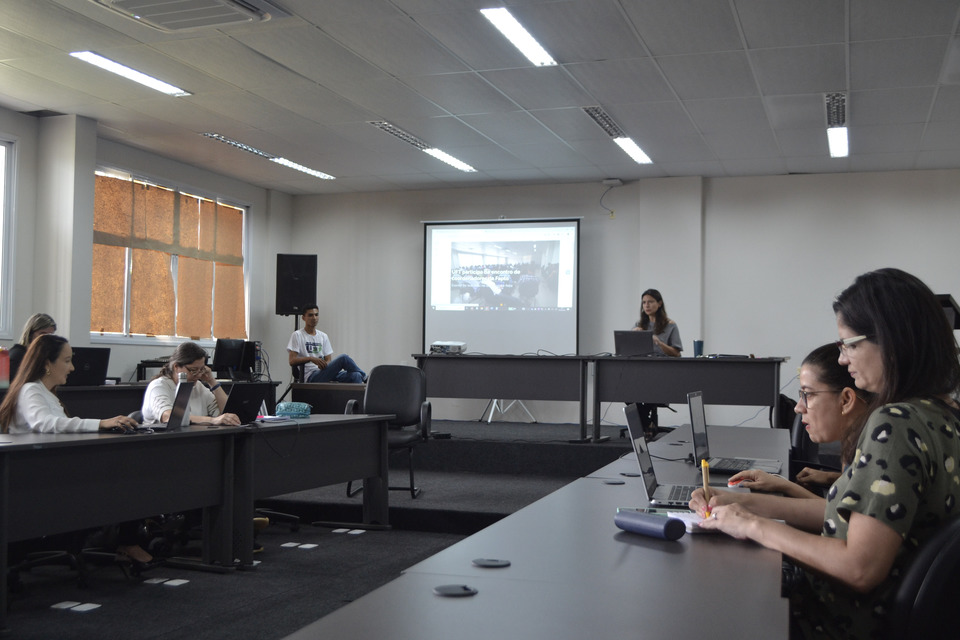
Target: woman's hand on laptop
(226, 419)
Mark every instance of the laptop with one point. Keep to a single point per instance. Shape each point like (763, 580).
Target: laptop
(633, 343)
(701, 447)
(90, 367)
(660, 495)
(245, 400)
(179, 415)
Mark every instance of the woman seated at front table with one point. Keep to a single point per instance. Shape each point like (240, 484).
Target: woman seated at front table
(904, 482)
(206, 400)
(32, 407)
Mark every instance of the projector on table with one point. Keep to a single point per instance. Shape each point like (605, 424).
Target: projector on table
(448, 346)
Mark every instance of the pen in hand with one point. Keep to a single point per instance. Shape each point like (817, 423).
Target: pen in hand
(705, 469)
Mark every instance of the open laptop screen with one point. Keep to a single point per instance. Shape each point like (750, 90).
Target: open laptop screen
(698, 425)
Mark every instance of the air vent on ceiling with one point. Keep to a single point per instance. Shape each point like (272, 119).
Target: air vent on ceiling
(183, 15)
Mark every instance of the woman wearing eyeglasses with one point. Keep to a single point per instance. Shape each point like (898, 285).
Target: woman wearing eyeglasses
(904, 482)
(206, 400)
(832, 409)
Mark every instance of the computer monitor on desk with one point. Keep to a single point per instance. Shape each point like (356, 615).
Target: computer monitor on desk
(234, 359)
(90, 366)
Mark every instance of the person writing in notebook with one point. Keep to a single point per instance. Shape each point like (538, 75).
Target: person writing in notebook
(904, 482)
(832, 409)
(207, 399)
(311, 348)
(666, 342)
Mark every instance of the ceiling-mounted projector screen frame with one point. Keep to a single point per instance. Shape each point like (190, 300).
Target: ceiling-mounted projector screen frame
(503, 286)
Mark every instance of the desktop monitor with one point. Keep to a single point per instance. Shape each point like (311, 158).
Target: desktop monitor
(227, 357)
(90, 366)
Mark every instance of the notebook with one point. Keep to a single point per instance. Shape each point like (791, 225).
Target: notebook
(701, 447)
(659, 495)
(90, 367)
(633, 343)
(179, 416)
(245, 400)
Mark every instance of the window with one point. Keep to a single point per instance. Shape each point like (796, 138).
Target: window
(165, 262)
(6, 238)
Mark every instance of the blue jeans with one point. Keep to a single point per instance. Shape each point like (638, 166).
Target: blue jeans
(340, 369)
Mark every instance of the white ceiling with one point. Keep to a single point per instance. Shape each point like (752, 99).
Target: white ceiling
(705, 87)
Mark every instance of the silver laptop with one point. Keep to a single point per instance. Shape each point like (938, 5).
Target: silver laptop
(179, 416)
(633, 343)
(701, 447)
(660, 495)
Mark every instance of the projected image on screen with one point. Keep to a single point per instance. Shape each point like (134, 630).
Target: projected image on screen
(515, 275)
(502, 286)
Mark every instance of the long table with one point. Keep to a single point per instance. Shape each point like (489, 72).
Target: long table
(56, 483)
(726, 380)
(729, 381)
(508, 376)
(110, 400)
(278, 458)
(575, 575)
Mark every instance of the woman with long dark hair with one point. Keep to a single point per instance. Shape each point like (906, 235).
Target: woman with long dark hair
(904, 482)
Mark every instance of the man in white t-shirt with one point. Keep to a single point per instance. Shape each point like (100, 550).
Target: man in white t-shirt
(311, 348)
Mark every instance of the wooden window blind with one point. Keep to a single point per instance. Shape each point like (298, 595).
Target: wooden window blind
(165, 263)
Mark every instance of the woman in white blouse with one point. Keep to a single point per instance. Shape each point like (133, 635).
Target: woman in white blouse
(31, 406)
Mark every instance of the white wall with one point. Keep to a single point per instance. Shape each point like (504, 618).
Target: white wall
(751, 265)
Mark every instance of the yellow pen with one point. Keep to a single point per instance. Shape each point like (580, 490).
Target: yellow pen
(705, 470)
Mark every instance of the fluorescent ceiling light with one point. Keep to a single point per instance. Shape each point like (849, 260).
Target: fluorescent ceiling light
(414, 141)
(612, 129)
(300, 167)
(269, 156)
(128, 73)
(633, 150)
(518, 36)
(450, 160)
(837, 139)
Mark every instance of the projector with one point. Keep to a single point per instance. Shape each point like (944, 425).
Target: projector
(447, 346)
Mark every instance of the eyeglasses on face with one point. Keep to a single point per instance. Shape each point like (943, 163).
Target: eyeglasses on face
(805, 396)
(194, 371)
(849, 345)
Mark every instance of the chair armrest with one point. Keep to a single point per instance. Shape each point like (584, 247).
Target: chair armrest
(426, 415)
(351, 407)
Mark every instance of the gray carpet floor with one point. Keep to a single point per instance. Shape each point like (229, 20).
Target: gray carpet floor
(291, 587)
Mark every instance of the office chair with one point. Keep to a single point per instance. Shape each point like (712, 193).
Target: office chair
(401, 391)
(924, 604)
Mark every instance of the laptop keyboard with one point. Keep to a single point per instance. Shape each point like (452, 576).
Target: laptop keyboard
(731, 464)
(680, 493)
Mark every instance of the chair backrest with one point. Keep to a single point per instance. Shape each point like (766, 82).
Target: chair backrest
(802, 448)
(925, 603)
(396, 389)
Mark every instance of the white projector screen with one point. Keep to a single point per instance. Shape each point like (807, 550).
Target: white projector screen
(502, 287)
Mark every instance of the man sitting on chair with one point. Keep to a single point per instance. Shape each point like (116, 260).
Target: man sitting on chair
(311, 348)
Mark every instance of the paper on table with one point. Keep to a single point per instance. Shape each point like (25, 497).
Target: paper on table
(691, 519)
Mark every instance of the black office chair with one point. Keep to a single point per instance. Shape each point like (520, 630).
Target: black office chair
(401, 391)
(924, 605)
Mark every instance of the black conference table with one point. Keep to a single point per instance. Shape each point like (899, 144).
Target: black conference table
(575, 575)
(723, 380)
(56, 483)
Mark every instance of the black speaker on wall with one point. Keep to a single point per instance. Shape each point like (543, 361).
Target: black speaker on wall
(296, 283)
